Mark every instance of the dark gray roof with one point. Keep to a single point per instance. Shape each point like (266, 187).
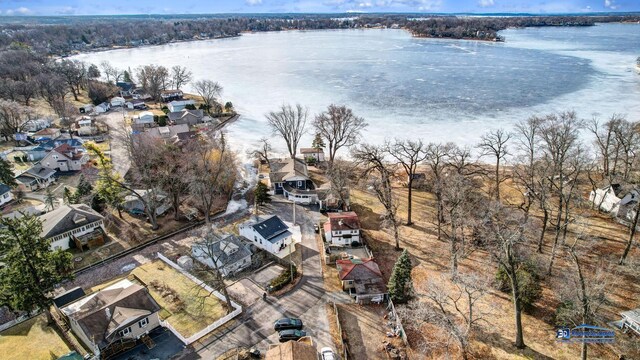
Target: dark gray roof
(68, 297)
(4, 189)
(271, 227)
(228, 250)
(67, 217)
(39, 171)
(177, 115)
(125, 86)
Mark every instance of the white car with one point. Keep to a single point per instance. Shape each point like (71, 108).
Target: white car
(327, 353)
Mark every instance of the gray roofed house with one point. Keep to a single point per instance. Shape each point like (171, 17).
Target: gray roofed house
(78, 223)
(631, 320)
(270, 234)
(167, 132)
(290, 177)
(232, 255)
(37, 177)
(5, 194)
(186, 116)
(122, 311)
(68, 297)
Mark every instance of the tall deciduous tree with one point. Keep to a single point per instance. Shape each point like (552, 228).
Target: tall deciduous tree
(209, 91)
(409, 154)
(12, 117)
(180, 76)
(339, 127)
(31, 269)
(494, 143)
(400, 285)
(437, 159)
(153, 79)
(290, 123)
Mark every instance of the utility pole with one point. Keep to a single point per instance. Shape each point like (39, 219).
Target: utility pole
(294, 212)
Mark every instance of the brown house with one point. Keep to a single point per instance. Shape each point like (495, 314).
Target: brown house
(363, 279)
(292, 350)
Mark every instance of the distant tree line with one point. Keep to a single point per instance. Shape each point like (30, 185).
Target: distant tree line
(61, 38)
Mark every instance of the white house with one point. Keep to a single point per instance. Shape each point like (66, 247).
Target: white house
(79, 224)
(270, 234)
(230, 253)
(316, 154)
(615, 200)
(136, 105)
(179, 105)
(117, 101)
(342, 228)
(145, 117)
(170, 95)
(102, 108)
(290, 177)
(37, 177)
(5, 194)
(85, 109)
(65, 158)
(631, 321)
(86, 127)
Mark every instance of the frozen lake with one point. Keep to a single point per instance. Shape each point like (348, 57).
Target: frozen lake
(437, 90)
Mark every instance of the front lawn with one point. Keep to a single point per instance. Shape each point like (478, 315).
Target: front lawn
(32, 340)
(186, 306)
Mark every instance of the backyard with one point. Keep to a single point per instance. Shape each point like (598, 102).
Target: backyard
(32, 340)
(186, 306)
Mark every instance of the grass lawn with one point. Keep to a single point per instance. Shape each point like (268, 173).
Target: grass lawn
(32, 340)
(197, 309)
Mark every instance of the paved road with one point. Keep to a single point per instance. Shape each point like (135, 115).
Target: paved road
(307, 301)
(117, 128)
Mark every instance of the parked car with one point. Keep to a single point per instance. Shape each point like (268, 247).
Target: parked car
(327, 353)
(286, 335)
(316, 228)
(287, 323)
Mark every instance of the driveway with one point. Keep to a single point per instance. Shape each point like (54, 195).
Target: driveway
(114, 119)
(306, 301)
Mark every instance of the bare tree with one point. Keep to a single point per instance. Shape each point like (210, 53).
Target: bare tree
(339, 173)
(377, 173)
(212, 173)
(409, 154)
(180, 76)
(436, 160)
(633, 227)
(171, 175)
(339, 127)
(494, 143)
(12, 117)
(153, 79)
(604, 140)
(209, 91)
(210, 248)
(290, 123)
(262, 153)
(627, 138)
(111, 73)
(74, 73)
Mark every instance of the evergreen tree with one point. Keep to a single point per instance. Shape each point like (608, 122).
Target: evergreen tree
(127, 76)
(84, 188)
(262, 193)
(400, 284)
(6, 174)
(68, 196)
(318, 142)
(31, 269)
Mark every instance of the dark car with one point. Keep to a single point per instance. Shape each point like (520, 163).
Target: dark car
(287, 323)
(286, 335)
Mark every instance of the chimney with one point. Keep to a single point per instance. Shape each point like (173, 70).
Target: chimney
(108, 313)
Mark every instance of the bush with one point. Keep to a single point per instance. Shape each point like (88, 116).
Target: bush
(529, 280)
(190, 107)
(165, 109)
(563, 313)
(283, 279)
(355, 244)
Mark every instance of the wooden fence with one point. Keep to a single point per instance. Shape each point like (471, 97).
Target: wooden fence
(345, 346)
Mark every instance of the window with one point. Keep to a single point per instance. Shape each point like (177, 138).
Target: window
(144, 322)
(299, 183)
(125, 331)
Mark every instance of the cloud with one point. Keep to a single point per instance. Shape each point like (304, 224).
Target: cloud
(19, 11)
(486, 3)
(611, 4)
(67, 10)
(421, 5)
(253, 2)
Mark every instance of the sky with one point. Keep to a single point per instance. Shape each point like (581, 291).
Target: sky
(119, 7)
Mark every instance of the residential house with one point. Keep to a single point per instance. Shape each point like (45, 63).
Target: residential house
(113, 318)
(290, 178)
(185, 116)
(342, 228)
(68, 297)
(52, 144)
(86, 109)
(363, 279)
(167, 133)
(617, 200)
(65, 158)
(36, 153)
(230, 253)
(86, 127)
(102, 108)
(270, 233)
(79, 225)
(37, 177)
(133, 204)
(126, 88)
(317, 154)
(144, 118)
(136, 105)
(34, 125)
(631, 321)
(419, 180)
(180, 105)
(47, 134)
(5, 194)
(117, 101)
(171, 95)
(292, 350)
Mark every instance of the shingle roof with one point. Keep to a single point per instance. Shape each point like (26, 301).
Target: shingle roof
(270, 227)
(4, 189)
(228, 250)
(311, 151)
(68, 297)
(283, 169)
(292, 350)
(355, 270)
(67, 217)
(39, 171)
(343, 221)
(177, 115)
(632, 314)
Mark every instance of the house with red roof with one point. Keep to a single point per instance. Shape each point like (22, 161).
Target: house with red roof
(65, 158)
(342, 228)
(363, 279)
